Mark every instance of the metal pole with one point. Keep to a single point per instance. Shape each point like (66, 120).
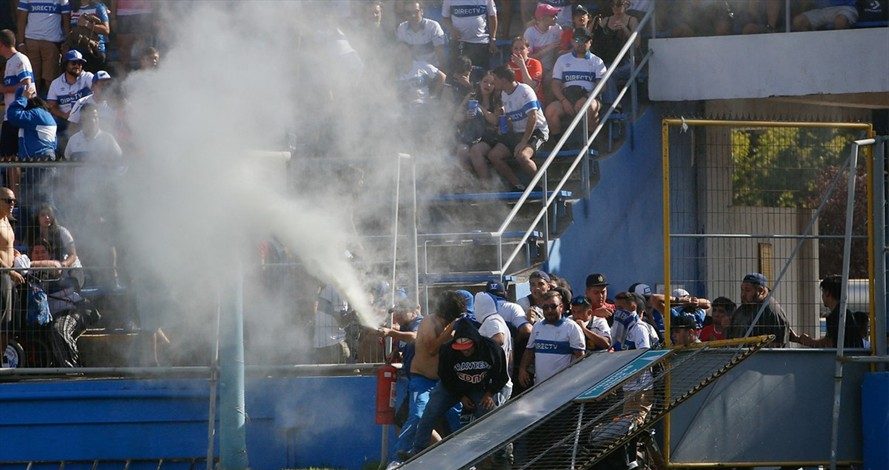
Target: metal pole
(233, 418)
(786, 16)
(878, 329)
(844, 298)
(416, 215)
(214, 384)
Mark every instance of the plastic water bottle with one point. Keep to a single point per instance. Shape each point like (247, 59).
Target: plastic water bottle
(472, 107)
(503, 124)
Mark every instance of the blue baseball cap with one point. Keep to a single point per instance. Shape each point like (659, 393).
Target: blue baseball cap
(73, 56)
(756, 279)
(470, 301)
(495, 288)
(101, 75)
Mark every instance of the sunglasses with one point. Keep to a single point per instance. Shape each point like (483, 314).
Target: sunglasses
(550, 306)
(9, 201)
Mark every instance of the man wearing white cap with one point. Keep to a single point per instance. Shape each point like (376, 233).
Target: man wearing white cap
(72, 85)
(493, 326)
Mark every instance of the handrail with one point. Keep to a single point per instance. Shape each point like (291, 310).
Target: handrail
(566, 134)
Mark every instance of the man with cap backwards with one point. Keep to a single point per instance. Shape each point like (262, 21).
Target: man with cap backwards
(683, 331)
(555, 342)
(73, 84)
(574, 77)
(755, 297)
(473, 371)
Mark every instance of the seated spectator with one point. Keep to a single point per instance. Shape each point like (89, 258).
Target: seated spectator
(831, 293)
(595, 329)
(477, 127)
(92, 143)
(460, 82)
(72, 85)
(70, 314)
(574, 78)
(90, 27)
(580, 18)
(472, 25)
(525, 131)
(58, 240)
(111, 117)
(543, 36)
(133, 21)
(835, 14)
(528, 70)
(699, 18)
(683, 331)
(721, 312)
(424, 36)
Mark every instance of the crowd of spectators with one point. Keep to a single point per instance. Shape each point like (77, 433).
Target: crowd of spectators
(61, 59)
(479, 350)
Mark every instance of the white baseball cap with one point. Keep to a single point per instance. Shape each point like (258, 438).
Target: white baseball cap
(680, 293)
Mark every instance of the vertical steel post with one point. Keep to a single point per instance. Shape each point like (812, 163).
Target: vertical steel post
(844, 299)
(878, 328)
(232, 417)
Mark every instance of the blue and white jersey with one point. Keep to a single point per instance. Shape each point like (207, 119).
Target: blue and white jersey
(18, 69)
(579, 71)
(424, 41)
(65, 94)
(98, 9)
(470, 18)
(45, 19)
(627, 333)
(521, 103)
(554, 345)
(37, 128)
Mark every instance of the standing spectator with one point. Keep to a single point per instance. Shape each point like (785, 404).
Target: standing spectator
(539, 283)
(528, 70)
(528, 130)
(595, 329)
(494, 327)
(91, 19)
(755, 296)
(473, 371)
(7, 256)
(574, 77)
(69, 87)
(684, 304)
(132, 22)
(837, 14)
(472, 25)
(18, 74)
(597, 291)
(831, 292)
(683, 331)
(435, 330)
(555, 343)
(37, 129)
(544, 36)
(629, 331)
(42, 27)
(652, 314)
(424, 36)
(721, 312)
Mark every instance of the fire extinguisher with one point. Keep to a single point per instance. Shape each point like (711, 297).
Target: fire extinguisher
(387, 376)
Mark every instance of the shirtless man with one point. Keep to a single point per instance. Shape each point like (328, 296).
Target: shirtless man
(7, 255)
(435, 330)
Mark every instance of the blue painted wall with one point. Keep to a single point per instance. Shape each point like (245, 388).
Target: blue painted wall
(292, 422)
(617, 230)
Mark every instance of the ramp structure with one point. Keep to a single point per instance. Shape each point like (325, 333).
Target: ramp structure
(579, 416)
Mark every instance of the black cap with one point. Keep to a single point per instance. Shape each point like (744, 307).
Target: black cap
(683, 322)
(582, 33)
(596, 279)
(579, 9)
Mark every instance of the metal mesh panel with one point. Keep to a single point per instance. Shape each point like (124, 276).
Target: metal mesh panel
(585, 431)
(767, 198)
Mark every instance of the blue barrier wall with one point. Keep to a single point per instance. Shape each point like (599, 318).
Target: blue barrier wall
(875, 420)
(292, 422)
(618, 229)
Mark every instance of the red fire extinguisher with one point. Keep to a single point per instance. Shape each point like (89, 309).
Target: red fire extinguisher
(387, 376)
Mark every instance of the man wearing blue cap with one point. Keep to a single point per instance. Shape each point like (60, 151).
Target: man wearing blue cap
(755, 297)
(72, 85)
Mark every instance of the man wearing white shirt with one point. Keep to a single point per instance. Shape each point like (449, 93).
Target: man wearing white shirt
(42, 27)
(92, 143)
(473, 27)
(424, 36)
(69, 87)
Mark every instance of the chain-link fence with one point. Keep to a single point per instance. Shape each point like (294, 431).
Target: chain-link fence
(768, 198)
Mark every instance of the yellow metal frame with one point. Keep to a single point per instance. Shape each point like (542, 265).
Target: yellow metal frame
(871, 264)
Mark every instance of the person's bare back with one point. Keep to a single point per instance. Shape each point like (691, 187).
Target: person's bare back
(425, 360)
